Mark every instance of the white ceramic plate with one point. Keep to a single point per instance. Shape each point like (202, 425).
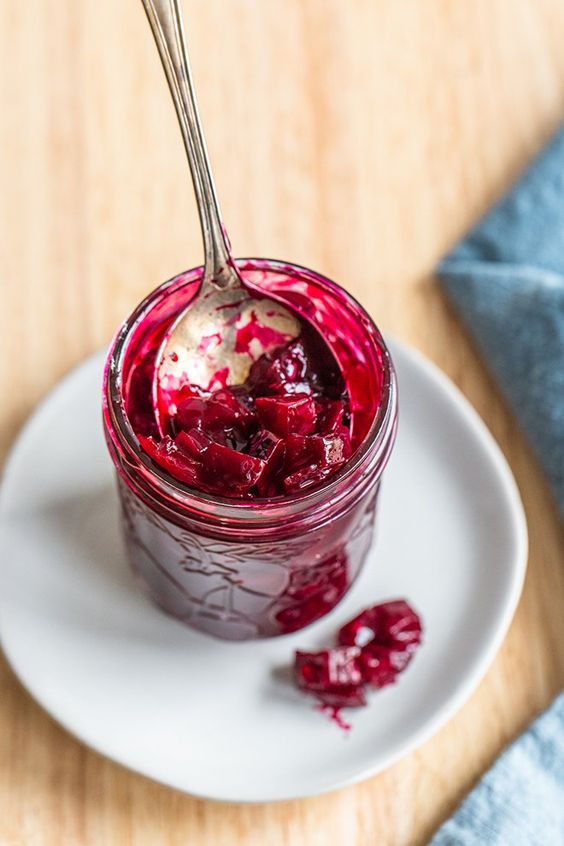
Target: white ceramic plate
(221, 720)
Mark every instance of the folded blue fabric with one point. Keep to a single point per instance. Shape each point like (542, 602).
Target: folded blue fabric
(520, 802)
(506, 280)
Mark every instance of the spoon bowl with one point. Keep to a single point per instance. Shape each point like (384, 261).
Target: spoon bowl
(214, 343)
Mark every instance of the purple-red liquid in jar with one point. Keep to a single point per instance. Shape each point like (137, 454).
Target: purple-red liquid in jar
(292, 425)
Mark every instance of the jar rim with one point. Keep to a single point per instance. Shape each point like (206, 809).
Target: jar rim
(377, 438)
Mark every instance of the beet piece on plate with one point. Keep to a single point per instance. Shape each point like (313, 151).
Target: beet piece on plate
(333, 676)
(392, 624)
(344, 696)
(375, 647)
(380, 666)
(318, 670)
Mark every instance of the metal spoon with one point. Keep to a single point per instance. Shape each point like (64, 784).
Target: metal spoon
(204, 346)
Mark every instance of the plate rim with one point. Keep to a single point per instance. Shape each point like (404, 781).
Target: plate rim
(451, 704)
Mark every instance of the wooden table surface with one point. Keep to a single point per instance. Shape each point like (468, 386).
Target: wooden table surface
(361, 138)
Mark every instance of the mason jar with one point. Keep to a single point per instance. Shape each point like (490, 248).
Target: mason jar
(243, 569)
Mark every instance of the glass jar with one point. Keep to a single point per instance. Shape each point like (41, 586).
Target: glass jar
(242, 569)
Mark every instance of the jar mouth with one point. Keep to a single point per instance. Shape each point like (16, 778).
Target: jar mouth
(372, 451)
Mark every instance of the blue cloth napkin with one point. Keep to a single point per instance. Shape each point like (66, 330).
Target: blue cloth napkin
(520, 802)
(506, 281)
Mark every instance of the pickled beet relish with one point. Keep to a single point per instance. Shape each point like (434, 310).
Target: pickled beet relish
(372, 650)
(285, 430)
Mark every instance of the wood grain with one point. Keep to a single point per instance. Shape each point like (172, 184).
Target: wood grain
(360, 138)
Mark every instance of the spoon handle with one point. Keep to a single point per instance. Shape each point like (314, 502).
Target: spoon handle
(165, 19)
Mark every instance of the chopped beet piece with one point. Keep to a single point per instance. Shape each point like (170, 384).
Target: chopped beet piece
(333, 449)
(228, 469)
(190, 413)
(344, 696)
(224, 410)
(270, 449)
(319, 670)
(149, 445)
(194, 443)
(323, 450)
(306, 478)
(380, 666)
(168, 456)
(284, 371)
(264, 443)
(391, 624)
(285, 416)
(375, 647)
(300, 451)
(332, 676)
(220, 412)
(330, 418)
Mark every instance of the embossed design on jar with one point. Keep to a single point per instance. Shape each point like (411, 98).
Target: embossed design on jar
(239, 590)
